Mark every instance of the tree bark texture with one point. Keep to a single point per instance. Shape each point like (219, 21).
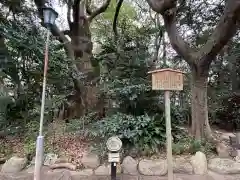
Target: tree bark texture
(199, 104)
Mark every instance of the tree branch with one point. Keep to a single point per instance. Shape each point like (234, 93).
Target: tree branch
(88, 9)
(69, 5)
(99, 10)
(224, 31)
(168, 10)
(66, 32)
(158, 38)
(115, 19)
(63, 39)
(160, 6)
(177, 42)
(76, 10)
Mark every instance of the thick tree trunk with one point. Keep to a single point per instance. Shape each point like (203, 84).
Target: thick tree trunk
(200, 124)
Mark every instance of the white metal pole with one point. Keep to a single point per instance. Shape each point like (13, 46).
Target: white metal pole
(40, 138)
(169, 135)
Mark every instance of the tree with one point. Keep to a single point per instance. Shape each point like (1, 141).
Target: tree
(199, 59)
(80, 14)
(21, 56)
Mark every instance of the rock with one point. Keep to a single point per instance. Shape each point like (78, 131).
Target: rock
(237, 157)
(14, 165)
(134, 152)
(222, 150)
(62, 160)
(50, 159)
(224, 166)
(199, 163)
(90, 160)
(84, 172)
(103, 170)
(225, 136)
(119, 168)
(69, 166)
(182, 166)
(129, 166)
(153, 167)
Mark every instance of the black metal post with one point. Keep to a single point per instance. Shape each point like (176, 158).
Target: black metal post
(113, 171)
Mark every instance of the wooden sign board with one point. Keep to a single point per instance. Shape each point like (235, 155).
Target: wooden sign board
(167, 79)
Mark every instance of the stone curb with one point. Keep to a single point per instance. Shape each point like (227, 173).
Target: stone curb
(67, 176)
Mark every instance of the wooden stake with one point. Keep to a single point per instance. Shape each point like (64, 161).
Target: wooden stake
(169, 135)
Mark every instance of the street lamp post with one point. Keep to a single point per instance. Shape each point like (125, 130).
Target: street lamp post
(49, 17)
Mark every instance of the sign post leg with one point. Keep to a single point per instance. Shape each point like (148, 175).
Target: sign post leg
(168, 135)
(113, 171)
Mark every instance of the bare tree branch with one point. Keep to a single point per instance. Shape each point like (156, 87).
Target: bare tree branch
(224, 31)
(99, 10)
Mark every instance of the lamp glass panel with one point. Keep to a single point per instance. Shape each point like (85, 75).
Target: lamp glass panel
(46, 16)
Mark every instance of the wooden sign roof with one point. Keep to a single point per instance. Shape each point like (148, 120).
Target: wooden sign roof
(166, 69)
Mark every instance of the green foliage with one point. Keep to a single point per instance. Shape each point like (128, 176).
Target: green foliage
(124, 78)
(23, 71)
(30, 137)
(5, 102)
(188, 145)
(127, 11)
(78, 125)
(228, 113)
(142, 132)
(224, 89)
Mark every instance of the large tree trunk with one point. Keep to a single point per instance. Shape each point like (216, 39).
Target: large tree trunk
(200, 124)
(82, 46)
(79, 50)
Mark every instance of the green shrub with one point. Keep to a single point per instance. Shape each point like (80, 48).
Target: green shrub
(227, 113)
(142, 132)
(29, 146)
(30, 137)
(188, 145)
(77, 125)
